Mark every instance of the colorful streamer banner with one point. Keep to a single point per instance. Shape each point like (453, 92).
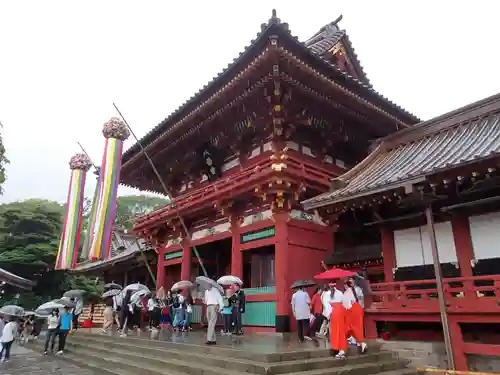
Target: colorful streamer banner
(91, 222)
(115, 132)
(70, 237)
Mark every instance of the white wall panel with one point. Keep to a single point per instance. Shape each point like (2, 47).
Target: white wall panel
(485, 235)
(408, 247)
(445, 243)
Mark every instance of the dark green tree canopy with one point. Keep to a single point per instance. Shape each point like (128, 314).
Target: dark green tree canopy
(3, 162)
(132, 206)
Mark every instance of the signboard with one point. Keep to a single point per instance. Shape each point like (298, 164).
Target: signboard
(259, 235)
(174, 255)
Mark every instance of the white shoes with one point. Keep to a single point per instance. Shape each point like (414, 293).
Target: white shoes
(340, 355)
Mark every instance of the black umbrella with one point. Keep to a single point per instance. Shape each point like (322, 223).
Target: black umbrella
(303, 284)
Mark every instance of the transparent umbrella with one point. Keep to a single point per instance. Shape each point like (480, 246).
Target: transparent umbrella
(12, 310)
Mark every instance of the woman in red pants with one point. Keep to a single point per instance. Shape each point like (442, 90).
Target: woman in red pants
(352, 301)
(338, 329)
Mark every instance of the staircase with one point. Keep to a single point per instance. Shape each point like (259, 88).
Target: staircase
(135, 356)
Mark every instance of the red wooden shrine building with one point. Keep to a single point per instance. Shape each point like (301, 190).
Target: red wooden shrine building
(450, 163)
(239, 156)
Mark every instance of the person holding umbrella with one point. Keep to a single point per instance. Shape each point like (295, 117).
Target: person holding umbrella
(301, 303)
(65, 326)
(213, 301)
(50, 336)
(353, 303)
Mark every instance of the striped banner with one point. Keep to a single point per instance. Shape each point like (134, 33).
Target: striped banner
(91, 222)
(70, 238)
(106, 208)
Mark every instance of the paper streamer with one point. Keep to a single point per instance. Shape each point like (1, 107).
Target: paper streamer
(115, 132)
(91, 221)
(70, 237)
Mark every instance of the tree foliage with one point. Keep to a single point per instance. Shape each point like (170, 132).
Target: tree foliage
(132, 206)
(3, 162)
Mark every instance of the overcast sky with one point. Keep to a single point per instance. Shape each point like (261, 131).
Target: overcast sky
(63, 64)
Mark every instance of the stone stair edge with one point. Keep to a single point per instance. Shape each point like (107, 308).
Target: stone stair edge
(165, 345)
(266, 365)
(347, 368)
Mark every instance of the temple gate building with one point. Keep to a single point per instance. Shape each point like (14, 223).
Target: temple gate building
(239, 156)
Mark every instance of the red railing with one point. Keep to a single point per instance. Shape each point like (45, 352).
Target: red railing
(478, 294)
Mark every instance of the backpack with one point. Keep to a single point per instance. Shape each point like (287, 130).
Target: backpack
(176, 304)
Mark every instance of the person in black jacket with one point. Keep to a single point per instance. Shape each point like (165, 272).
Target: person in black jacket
(238, 304)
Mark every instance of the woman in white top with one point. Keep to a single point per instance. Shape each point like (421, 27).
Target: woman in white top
(8, 334)
(353, 303)
(338, 337)
(52, 330)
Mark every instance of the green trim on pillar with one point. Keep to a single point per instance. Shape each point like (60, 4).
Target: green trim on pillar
(258, 235)
(262, 314)
(261, 290)
(196, 314)
(173, 255)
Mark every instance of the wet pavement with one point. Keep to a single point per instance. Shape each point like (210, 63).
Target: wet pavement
(25, 361)
(265, 343)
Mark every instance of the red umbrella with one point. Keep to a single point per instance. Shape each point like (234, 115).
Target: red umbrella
(334, 273)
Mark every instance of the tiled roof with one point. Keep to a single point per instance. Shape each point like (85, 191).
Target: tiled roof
(15, 280)
(328, 37)
(118, 255)
(466, 135)
(206, 93)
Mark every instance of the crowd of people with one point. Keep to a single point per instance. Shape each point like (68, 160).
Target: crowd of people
(335, 311)
(14, 328)
(172, 310)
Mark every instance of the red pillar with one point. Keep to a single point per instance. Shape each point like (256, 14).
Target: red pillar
(388, 253)
(281, 273)
(236, 253)
(457, 341)
(160, 270)
(463, 243)
(187, 256)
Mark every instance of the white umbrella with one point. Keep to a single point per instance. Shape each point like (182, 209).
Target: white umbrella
(74, 293)
(205, 281)
(180, 285)
(67, 302)
(111, 293)
(134, 288)
(47, 307)
(229, 280)
(136, 297)
(12, 310)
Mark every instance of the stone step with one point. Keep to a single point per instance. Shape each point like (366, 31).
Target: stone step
(308, 352)
(242, 365)
(360, 369)
(124, 359)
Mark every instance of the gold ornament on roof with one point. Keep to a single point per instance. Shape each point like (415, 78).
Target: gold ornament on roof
(115, 128)
(80, 161)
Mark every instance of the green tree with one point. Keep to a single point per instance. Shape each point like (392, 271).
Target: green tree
(29, 240)
(3, 162)
(132, 206)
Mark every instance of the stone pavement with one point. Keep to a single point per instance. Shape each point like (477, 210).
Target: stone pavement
(25, 361)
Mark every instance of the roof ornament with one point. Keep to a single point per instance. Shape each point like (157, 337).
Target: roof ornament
(332, 28)
(115, 128)
(80, 161)
(274, 20)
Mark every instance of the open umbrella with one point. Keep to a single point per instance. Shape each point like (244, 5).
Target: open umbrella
(28, 313)
(205, 281)
(136, 297)
(65, 301)
(181, 285)
(47, 307)
(303, 284)
(229, 280)
(110, 286)
(111, 293)
(334, 273)
(74, 293)
(134, 288)
(12, 310)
